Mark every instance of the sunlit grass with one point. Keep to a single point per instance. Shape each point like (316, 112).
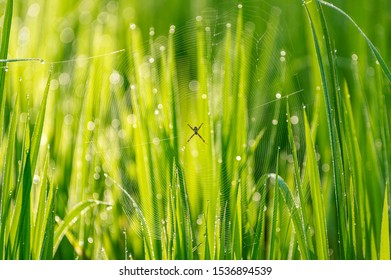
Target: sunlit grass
(95, 158)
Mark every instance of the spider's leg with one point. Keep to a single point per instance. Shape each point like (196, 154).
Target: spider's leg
(191, 137)
(201, 138)
(200, 126)
(190, 127)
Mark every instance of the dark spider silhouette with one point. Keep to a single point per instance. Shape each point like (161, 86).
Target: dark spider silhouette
(195, 130)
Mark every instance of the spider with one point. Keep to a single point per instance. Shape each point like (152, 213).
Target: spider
(195, 130)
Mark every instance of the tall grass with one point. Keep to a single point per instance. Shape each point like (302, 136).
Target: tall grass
(94, 143)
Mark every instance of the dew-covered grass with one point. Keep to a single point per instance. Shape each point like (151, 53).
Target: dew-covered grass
(208, 130)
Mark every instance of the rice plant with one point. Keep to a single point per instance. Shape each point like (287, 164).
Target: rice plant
(243, 130)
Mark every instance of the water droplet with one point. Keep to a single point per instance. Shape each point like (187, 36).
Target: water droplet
(204, 96)
(90, 125)
(172, 29)
(156, 112)
(115, 123)
(151, 31)
(68, 119)
(34, 10)
(278, 95)
(283, 53)
(90, 240)
(115, 78)
(156, 141)
(274, 122)
(238, 158)
(36, 179)
(198, 18)
(294, 120)
(132, 26)
(256, 197)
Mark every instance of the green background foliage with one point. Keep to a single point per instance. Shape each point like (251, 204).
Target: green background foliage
(293, 97)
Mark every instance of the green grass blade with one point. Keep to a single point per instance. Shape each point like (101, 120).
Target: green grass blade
(295, 215)
(47, 246)
(37, 133)
(379, 58)
(258, 246)
(331, 110)
(7, 181)
(41, 219)
(129, 202)
(20, 226)
(237, 238)
(24, 230)
(276, 202)
(72, 217)
(321, 244)
(385, 231)
(5, 43)
(298, 183)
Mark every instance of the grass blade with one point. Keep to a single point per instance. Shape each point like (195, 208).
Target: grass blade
(7, 181)
(385, 232)
(316, 196)
(72, 217)
(330, 97)
(295, 215)
(376, 53)
(276, 202)
(37, 133)
(5, 43)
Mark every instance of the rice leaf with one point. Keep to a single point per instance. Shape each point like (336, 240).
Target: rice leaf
(385, 230)
(7, 181)
(71, 218)
(276, 202)
(316, 196)
(295, 215)
(5, 43)
(374, 50)
(258, 246)
(38, 128)
(47, 246)
(329, 87)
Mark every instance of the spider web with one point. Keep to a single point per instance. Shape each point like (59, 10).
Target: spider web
(270, 84)
(140, 148)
